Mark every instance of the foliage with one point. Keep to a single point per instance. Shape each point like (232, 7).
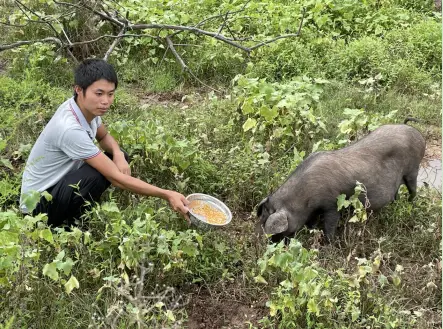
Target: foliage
(357, 122)
(132, 263)
(307, 295)
(281, 112)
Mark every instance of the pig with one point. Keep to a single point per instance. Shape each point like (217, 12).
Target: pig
(383, 160)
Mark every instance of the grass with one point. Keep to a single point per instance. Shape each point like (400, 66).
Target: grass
(127, 231)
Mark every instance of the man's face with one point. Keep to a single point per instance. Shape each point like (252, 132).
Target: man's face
(97, 99)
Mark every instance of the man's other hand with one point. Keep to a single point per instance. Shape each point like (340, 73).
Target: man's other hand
(122, 164)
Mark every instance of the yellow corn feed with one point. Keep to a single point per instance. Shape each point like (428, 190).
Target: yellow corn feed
(206, 210)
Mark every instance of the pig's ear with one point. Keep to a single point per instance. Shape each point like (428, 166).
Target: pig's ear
(276, 223)
(260, 207)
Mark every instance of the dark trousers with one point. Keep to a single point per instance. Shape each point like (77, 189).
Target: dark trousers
(74, 194)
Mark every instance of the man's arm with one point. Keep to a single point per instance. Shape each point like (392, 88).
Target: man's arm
(108, 169)
(109, 144)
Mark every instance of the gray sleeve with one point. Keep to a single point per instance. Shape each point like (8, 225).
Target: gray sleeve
(99, 121)
(77, 145)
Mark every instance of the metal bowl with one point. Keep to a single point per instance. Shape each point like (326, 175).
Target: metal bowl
(200, 221)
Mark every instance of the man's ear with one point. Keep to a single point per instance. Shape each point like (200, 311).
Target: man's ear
(78, 90)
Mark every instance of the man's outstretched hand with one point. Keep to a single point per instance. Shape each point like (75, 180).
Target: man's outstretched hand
(179, 203)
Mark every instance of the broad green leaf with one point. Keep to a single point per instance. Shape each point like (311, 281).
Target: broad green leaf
(249, 124)
(6, 163)
(46, 234)
(190, 250)
(170, 315)
(87, 237)
(60, 256)
(355, 314)
(30, 200)
(396, 280)
(247, 108)
(313, 307)
(47, 196)
(71, 284)
(8, 238)
(66, 266)
(260, 279)
(342, 202)
(382, 280)
(51, 271)
(354, 219)
(268, 113)
(110, 207)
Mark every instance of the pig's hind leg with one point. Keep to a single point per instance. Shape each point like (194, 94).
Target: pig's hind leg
(411, 183)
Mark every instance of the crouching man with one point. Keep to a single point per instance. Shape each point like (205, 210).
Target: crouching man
(66, 163)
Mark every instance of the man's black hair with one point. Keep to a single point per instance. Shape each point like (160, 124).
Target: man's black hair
(92, 70)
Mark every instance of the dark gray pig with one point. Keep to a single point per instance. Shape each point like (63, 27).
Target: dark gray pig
(383, 160)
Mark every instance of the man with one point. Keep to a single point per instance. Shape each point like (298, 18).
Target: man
(67, 164)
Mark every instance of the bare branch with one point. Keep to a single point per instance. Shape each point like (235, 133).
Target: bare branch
(190, 29)
(187, 45)
(64, 32)
(85, 6)
(177, 56)
(272, 40)
(215, 17)
(14, 25)
(225, 21)
(164, 56)
(202, 83)
(29, 42)
(183, 64)
(43, 21)
(116, 41)
(113, 36)
(72, 56)
(301, 21)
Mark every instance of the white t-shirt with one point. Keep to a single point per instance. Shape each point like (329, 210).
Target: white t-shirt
(64, 143)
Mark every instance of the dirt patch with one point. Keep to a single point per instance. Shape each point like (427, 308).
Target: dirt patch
(210, 312)
(433, 150)
(173, 98)
(430, 168)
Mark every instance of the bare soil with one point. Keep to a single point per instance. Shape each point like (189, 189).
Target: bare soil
(433, 149)
(208, 311)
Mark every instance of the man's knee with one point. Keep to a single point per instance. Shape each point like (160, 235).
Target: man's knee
(126, 155)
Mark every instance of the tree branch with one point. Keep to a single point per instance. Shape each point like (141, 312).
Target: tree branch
(29, 42)
(273, 40)
(281, 36)
(40, 20)
(190, 29)
(113, 36)
(177, 56)
(13, 25)
(85, 6)
(116, 41)
(183, 64)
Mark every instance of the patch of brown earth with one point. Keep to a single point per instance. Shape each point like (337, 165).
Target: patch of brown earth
(433, 150)
(207, 312)
(169, 98)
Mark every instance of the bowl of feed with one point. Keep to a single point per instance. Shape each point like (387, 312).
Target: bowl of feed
(205, 211)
